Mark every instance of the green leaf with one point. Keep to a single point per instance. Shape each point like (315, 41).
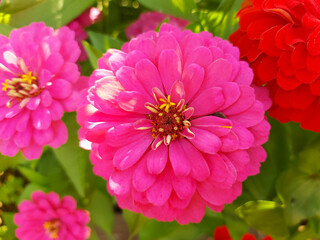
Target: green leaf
(33, 176)
(58, 181)
(54, 13)
(11, 227)
(71, 157)
(265, 216)
(299, 186)
(134, 221)
(103, 42)
(93, 54)
(101, 211)
(5, 29)
(178, 8)
(278, 149)
(28, 190)
(6, 162)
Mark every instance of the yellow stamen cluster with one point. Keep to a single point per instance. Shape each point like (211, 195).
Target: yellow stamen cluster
(21, 87)
(52, 228)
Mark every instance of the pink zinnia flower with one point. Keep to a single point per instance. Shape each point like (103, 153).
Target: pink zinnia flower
(173, 124)
(86, 19)
(149, 21)
(48, 217)
(37, 75)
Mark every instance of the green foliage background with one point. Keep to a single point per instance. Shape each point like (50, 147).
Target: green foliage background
(282, 201)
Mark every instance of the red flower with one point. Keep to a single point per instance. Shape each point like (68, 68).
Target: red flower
(281, 41)
(222, 233)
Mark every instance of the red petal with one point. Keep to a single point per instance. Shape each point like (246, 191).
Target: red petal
(286, 82)
(267, 43)
(267, 70)
(261, 25)
(299, 56)
(284, 63)
(302, 97)
(221, 233)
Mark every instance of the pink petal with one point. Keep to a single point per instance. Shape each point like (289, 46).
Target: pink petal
(184, 187)
(127, 156)
(244, 102)
(179, 161)
(177, 91)
(199, 167)
(120, 181)
(218, 71)
(205, 141)
(141, 178)
(194, 212)
(231, 92)
(160, 191)
(46, 99)
(201, 56)
(34, 103)
(43, 137)
(230, 142)
(142, 124)
(127, 77)
(216, 125)
(245, 75)
(123, 134)
(251, 116)
(69, 72)
(157, 159)
(134, 57)
(53, 63)
(22, 139)
(32, 151)
(60, 89)
(60, 134)
(170, 68)
(148, 75)
(192, 78)
(207, 102)
(23, 121)
(132, 102)
(41, 118)
(245, 137)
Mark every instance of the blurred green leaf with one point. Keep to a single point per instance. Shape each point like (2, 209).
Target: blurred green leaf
(134, 221)
(11, 227)
(299, 186)
(6, 162)
(71, 157)
(103, 42)
(221, 21)
(178, 8)
(93, 54)
(5, 29)
(265, 216)
(261, 186)
(101, 211)
(28, 190)
(10, 189)
(58, 180)
(33, 176)
(54, 13)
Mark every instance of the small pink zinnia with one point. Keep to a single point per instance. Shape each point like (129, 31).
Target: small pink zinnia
(173, 124)
(149, 21)
(48, 217)
(87, 18)
(38, 76)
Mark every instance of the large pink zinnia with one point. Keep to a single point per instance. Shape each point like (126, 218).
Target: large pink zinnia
(38, 76)
(48, 217)
(173, 124)
(149, 21)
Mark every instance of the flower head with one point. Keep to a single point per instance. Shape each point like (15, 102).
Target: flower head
(86, 19)
(173, 123)
(280, 40)
(37, 76)
(222, 233)
(46, 216)
(149, 21)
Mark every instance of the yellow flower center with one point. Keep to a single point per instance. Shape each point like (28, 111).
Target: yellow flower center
(52, 228)
(22, 87)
